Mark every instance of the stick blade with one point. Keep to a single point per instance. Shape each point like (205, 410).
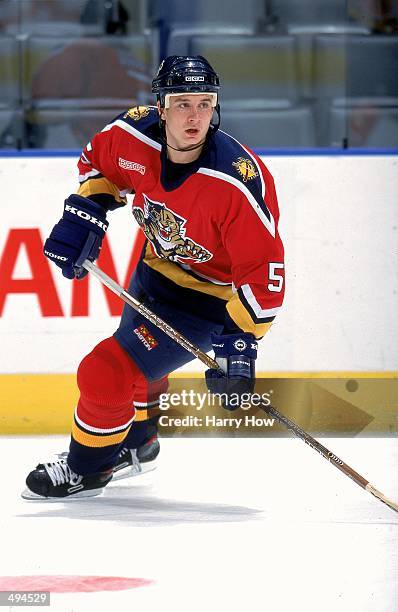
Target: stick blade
(371, 489)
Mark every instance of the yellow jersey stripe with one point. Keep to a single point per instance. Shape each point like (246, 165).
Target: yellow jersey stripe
(100, 185)
(180, 277)
(243, 320)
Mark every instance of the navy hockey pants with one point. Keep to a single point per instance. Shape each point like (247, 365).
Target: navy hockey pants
(155, 353)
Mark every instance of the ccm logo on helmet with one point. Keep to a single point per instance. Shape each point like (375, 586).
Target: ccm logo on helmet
(194, 78)
(86, 216)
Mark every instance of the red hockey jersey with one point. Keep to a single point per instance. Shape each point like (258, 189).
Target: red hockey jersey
(211, 230)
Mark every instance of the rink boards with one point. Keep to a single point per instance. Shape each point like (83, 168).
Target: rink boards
(339, 223)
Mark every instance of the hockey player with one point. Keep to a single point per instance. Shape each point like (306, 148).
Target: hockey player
(212, 267)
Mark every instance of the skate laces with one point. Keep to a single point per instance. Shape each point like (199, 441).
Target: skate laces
(60, 473)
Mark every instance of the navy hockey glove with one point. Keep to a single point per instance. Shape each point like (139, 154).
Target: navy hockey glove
(235, 354)
(77, 236)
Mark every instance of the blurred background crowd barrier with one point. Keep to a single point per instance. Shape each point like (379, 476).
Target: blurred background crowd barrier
(295, 73)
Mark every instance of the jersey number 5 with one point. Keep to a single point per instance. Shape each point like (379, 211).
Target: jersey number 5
(276, 283)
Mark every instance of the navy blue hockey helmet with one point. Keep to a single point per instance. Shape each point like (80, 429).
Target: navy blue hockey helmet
(185, 74)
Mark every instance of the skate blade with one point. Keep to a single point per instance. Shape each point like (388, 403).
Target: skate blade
(30, 496)
(134, 470)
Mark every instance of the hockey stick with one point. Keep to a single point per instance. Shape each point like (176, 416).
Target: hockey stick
(148, 314)
(327, 454)
(210, 363)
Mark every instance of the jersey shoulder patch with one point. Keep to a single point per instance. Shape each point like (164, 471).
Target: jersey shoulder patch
(141, 117)
(236, 163)
(235, 160)
(246, 168)
(141, 122)
(230, 161)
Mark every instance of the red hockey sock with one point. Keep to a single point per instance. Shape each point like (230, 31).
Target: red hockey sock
(107, 378)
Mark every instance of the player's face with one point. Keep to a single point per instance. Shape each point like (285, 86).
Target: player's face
(187, 119)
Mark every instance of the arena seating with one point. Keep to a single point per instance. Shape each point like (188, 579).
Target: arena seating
(294, 72)
(355, 72)
(255, 69)
(267, 128)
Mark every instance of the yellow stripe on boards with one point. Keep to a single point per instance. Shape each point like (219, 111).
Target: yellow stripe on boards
(37, 403)
(45, 403)
(326, 374)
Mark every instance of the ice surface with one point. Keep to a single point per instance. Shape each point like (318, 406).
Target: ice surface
(222, 524)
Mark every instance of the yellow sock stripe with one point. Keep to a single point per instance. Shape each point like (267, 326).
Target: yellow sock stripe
(97, 441)
(143, 414)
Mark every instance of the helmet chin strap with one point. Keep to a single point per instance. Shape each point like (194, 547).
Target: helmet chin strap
(191, 148)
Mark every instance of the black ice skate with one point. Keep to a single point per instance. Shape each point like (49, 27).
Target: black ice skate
(135, 461)
(56, 481)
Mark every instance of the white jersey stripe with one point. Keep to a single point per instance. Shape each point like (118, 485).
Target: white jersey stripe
(129, 128)
(268, 223)
(104, 431)
(259, 312)
(206, 278)
(84, 177)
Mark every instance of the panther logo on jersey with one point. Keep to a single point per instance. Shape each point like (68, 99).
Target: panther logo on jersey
(246, 168)
(137, 112)
(165, 230)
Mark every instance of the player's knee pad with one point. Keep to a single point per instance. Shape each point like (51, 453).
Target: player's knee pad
(108, 376)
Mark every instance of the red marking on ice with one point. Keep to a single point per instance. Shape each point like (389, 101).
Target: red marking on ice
(70, 584)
